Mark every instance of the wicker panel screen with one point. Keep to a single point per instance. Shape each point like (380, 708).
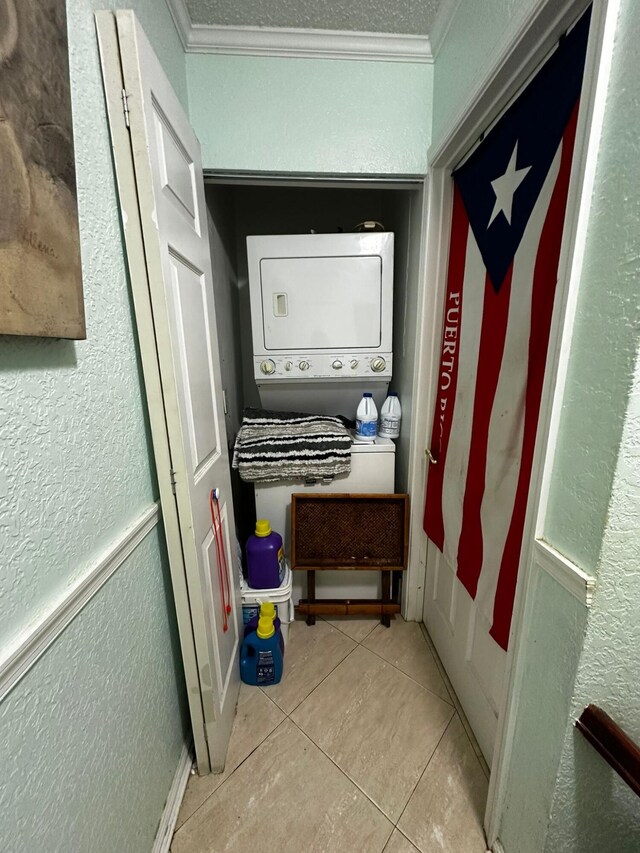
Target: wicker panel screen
(349, 531)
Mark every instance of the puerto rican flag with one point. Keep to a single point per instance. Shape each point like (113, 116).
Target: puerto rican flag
(509, 206)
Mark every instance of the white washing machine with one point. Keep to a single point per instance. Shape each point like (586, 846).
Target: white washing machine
(372, 471)
(321, 319)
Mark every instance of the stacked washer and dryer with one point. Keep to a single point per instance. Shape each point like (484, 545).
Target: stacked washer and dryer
(322, 325)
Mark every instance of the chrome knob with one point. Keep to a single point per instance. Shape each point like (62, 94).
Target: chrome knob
(288, 365)
(268, 367)
(337, 364)
(354, 363)
(378, 365)
(304, 365)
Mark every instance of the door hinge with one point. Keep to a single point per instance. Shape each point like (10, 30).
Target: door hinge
(125, 107)
(172, 474)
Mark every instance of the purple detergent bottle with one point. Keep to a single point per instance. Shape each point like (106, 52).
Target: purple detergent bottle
(268, 610)
(265, 557)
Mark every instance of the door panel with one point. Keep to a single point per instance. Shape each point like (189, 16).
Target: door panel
(223, 650)
(180, 347)
(473, 661)
(196, 374)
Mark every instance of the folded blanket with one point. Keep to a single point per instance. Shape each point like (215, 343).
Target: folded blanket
(273, 446)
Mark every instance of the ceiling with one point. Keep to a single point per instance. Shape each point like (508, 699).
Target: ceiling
(407, 17)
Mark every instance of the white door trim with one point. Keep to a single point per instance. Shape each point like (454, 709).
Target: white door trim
(429, 310)
(530, 39)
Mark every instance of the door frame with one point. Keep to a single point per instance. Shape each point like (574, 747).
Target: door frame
(527, 44)
(413, 577)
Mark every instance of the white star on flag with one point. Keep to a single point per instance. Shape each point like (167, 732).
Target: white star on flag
(505, 186)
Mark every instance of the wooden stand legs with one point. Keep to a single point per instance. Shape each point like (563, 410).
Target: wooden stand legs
(311, 596)
(385, 619)
(385, 606)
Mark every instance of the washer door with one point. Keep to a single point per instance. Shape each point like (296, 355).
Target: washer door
(321, 303)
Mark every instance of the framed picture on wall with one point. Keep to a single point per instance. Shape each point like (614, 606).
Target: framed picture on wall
(40, 268)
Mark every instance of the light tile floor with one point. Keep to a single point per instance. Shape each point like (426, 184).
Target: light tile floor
(358, 750)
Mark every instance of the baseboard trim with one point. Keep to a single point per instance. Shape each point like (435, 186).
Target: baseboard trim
(169, 817)
(21, 655)
(581, 585)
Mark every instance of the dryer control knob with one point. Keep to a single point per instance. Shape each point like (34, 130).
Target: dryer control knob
(337, 364)
(378, 365)
(354, 363)
(268, 367)
(288, 365)
(304, 365)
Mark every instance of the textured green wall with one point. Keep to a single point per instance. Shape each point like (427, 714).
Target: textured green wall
(102, 705)
(310, 115)
(593, 809)
(477, 32)
(594, 514)
(90, 738)
(605, 332)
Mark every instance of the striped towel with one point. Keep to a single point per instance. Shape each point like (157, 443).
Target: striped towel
(274, 446)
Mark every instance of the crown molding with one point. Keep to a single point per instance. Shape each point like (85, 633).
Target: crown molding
(181, 19)
(301, 43)
(443, 20)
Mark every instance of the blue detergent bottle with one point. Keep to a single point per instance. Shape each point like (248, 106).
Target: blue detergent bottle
(261, 660)
(268, 609)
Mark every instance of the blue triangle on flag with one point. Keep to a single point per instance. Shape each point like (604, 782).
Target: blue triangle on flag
(501, 180)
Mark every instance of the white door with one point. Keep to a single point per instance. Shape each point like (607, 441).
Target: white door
(165, 216)
(501, 292)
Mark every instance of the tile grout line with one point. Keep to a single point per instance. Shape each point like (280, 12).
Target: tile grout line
(449, 700)
(346, 775)
(406, 837)
(446, 729)
(359, 642)
(279, 709)
(304, 698)
(224, 781)
(428, 689)
(456, 702)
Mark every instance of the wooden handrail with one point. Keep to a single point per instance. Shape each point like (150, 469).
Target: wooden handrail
(613, 744)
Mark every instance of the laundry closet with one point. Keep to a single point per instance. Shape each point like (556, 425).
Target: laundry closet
(238, 208)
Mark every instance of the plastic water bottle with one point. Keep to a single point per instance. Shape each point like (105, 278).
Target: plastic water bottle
(390, 417)
(366, 419)
(265, 557)
(261, 660)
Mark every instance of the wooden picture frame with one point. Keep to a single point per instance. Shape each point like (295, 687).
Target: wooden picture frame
(40, 266)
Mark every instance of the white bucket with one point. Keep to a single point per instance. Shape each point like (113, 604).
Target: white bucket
(280, 597)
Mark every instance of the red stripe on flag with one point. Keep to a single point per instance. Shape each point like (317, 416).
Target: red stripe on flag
(495, 317)
(544, 287)
(448, 372)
